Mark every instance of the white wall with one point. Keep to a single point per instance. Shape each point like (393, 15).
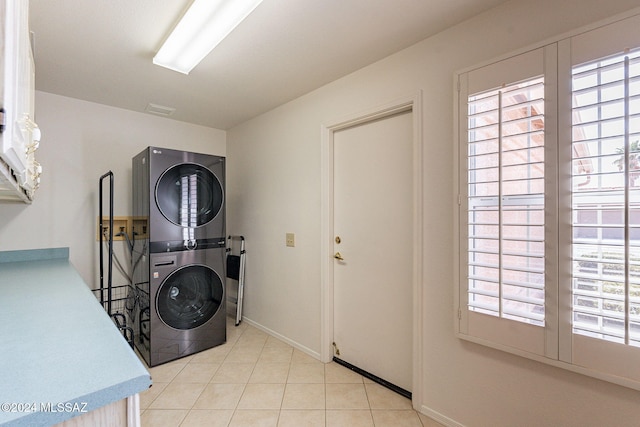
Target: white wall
(80, 142)
(274, 185)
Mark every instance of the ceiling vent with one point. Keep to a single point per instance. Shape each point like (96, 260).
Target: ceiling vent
(160, 110)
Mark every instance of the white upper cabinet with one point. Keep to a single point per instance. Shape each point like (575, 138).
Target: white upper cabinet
(19, 171)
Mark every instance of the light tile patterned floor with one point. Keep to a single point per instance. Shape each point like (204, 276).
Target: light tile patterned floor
(256, 380)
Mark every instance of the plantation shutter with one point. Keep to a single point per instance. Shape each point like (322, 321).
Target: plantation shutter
(549, 203)
(502, 197)
(605, 199)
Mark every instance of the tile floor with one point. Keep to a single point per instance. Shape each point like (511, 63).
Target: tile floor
(257, 380)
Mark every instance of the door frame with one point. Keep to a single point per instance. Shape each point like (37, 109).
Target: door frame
(413, 104)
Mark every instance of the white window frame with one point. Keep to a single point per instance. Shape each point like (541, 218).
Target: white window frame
(555, 343)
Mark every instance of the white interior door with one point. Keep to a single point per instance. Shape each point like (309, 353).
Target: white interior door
(373, 225)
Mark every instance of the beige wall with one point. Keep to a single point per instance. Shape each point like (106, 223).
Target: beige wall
(274, 184)
(80, 142)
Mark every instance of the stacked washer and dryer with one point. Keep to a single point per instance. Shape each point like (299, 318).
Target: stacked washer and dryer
(178, 253)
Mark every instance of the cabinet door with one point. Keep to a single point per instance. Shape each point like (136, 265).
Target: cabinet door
(18, 98)
(17, 137)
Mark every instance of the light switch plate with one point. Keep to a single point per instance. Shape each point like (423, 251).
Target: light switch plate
(290, 239)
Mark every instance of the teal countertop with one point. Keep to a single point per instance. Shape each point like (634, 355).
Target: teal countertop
(60, 353)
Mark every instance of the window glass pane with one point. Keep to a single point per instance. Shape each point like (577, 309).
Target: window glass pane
(506, 202)
(606, 199)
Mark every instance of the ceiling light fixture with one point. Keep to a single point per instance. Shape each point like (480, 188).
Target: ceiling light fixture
(205, 24)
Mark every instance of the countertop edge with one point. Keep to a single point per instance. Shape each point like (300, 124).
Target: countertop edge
(93, 401)
(34, 255)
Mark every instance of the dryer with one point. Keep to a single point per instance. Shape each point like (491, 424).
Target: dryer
(187, 190)
(179, 253)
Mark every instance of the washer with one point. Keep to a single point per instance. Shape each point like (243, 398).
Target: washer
(179, 253)
(187, 312)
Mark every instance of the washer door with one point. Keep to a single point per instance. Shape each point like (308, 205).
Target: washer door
(189, 195)
(189, 297)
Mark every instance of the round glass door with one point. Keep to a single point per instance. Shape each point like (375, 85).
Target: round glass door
(189, 297)
(189, 195)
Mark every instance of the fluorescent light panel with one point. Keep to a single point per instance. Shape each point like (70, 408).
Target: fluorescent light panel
(202, 28)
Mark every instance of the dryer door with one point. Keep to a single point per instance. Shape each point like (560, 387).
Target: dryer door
(189, 195)
(189, 297)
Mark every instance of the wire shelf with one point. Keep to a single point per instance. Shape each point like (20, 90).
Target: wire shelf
(122, 305)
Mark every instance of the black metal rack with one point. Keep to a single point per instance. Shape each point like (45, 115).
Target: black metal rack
(235, 271)
(113, 298)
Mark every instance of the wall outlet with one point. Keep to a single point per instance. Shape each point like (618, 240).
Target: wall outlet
(290, 240)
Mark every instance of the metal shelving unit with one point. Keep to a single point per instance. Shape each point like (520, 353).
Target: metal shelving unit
(113, 298)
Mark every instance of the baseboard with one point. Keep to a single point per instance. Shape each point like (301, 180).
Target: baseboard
(294, 344)
(437, 416)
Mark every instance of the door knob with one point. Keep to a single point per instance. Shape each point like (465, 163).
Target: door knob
(338, 256)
